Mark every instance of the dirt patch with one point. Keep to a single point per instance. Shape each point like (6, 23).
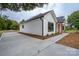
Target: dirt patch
(71, 40)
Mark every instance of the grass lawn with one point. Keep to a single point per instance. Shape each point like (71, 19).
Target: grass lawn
(10, 30)
(1, 33)
(72, 40)
(72, 31)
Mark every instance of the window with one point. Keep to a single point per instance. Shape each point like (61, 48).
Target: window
(50, 27)
(22, 26)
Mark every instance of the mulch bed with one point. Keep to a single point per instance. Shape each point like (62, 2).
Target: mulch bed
(72, 40)
(39, 37)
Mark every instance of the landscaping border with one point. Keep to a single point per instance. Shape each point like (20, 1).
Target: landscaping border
(39, 36)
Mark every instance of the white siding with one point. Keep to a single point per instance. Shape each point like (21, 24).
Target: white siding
(33, 27)
(49, 18)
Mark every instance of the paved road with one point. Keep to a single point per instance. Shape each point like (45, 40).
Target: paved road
(15, 44)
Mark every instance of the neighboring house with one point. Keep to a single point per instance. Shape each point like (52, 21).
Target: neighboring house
(60, 24)
(43, 24)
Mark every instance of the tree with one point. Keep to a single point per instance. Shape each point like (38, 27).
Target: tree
(15, 25)
(2, 23)
(7, 24)
(20, 6)
(22, 21)
(73, 19)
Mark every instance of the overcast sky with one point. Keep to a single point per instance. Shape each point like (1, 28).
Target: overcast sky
(61, 9)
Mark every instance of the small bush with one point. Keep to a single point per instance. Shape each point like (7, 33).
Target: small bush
(72, 30)
(55, 34)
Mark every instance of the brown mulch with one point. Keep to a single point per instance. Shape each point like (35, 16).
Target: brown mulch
(72, 40)
(40, 37)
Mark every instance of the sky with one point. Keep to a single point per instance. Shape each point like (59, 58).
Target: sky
(60, 9)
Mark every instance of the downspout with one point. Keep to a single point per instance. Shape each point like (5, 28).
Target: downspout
(42, 26)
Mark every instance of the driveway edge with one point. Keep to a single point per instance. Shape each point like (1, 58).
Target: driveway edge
(46, 44)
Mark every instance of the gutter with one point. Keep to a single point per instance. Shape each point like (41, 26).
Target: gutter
(42, 26)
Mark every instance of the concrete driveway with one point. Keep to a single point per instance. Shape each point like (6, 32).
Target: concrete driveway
(59, 50)
(15, 44)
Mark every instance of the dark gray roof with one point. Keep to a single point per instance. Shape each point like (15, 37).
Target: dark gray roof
(60, 19)
(37, 16)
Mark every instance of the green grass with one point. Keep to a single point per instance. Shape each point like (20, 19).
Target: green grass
(71, 31)
(1, 33)
(9, 31)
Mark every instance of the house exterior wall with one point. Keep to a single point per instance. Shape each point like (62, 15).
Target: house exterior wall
(32, 27)
(48, 18)
(35, 26)
(60, 27)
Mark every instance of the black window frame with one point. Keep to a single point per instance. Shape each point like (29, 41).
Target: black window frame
(22, 26)
(50, 26)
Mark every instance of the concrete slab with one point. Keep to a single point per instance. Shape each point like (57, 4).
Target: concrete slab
(59, 50)
(51, 40)
(18, 44)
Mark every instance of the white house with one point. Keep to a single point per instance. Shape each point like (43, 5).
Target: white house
(43, 24)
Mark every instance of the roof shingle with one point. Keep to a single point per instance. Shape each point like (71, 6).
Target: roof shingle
(60, 19)
(36, 17)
